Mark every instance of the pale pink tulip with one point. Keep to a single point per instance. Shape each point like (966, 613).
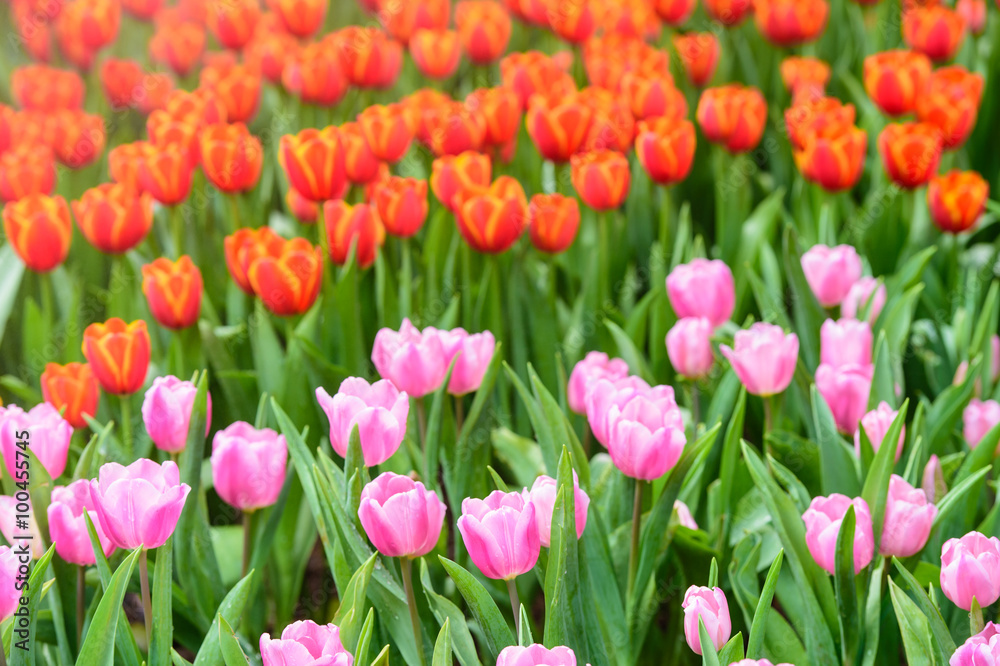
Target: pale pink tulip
(702, 288)
(764, 358)
(708, 604)
(543, 496)
(536, 655)
(305, 643)
(166, 412)
(647, 437)
(248, 465)
(472, 353)
(866, 292)
(68, 527)
(46, 433)
(413, 360)
(689, 347)
(400, 516)
(379, 410)
(501, 534)
(9, 571)
(845, 342)
(595, 366)
(823, 519)
(846, 390)
(908, 519)
(606, 393)
(876, 424)
(970, 568)
(978, 418)
(831, 272)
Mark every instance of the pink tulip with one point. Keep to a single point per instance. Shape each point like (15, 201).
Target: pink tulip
(68, 528)
(710, 605)
(702, 288)
(845, 342)
(978, 418)
(604, 393)
(543, 496)
(757, 662)
(689, 346)
(764, 358)
(684, 517)
(14, 534)
(983, 649)
(865, 292)
(831, 272)
(248, 466)
(46, 433)
(932, 481)
(908, 519)
(876, 424)
(379, 410)
(305, 643)
(647, 436)
(474, 351)
(501, 534)
(9, 571)
(400, 516)
(846, 390)
(970, 567)
(166, 411)
(595, 365)
(413, 360)
(536, 655)
(823, 519)
(138, 505)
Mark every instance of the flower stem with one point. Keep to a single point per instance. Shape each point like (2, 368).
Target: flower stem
(459, 414)
(234, 211)
(422, 423)
(976, 622)
(515, 604)
(147, 602)
(406, 564)
(247, 540)
(768, 418)
(81, 593)
(177, 230)
(126, 413)
(633, 558)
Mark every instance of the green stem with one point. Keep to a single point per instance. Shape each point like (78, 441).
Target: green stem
(665, 217)
(405, 278)
(633, 557)
(695, 406)
(421, 422)
(459, 414)
(81, 593)
(45, 285)
(515, 605)
(177, 230)
(247, 540)
(147, 602)
(768, 418)
(406, 564)
(126, 412)
(602, 260)
(234, 211)
(976, 622)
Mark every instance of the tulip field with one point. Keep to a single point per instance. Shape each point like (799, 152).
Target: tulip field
(500, 332)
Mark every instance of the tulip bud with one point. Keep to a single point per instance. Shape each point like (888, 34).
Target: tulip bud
(950, 102)
(543, 496)
(39, 229)
(414, 361)
(970, 569)
(708, 606)
(846, 389)
(118, 353)
(554, 220)
(436, 53)
(314, 75)
(973, 13)
(728, 12)
(845, 342)
(301, 19)
(402, 205)
(287, 282)
(484, 29)
(246, 246)
(387, 129)
(908, 519)
(895, 79)
(400, 516)
(763, 358)
(601, 178)
(536, 655)
(501, 534)
(732, 116)
(453, 174)
(831, 271)
(26, 169)
(355, 226)
(166, 412)
(557, 125)
(471, 354)
(68, 527)
(876, 424)
(232, 21)
(702, 288)
(238, 87)
(689, 347)
(674, 12)
(956, 200)
(572, 20)
(791, 22)
(113, 217)
(9, 594)
(248, 466)
(934, 30)
(49, 437)
(699, 52)
(653, 96)
(978, 418)
(492, 220)
(666, 149)
(595, 366)
(72, 390)
(379, 411)
(868, 293)
(823, 519)
(684, 517)
(166, 172)
(646, 435)
(932, 481)
(982, 648)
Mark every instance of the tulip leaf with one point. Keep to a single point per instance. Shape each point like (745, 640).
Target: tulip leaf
(98, 647)
(85, 463)
(627, 350)
(446, 611)
(607, 598)
(709, 655)
(807, 313)
(442, 646)
(913, 627)
(178, 660)
(163, 627)
(230, 610)
(946, 411)
(232, 653)
(496, 632)
(928, 609)
(352, 605)
(731, 458)
(36, 588)
(383, 657)
(524, 637)
(758, 629)
(355, 472)
(980, 456)
(837, 462)
(876, 488)
(895, 323)
(11, 272)
(883, 382)
(846, 587)
(732, 651)
(433, 432)
(873, 613)
(952, 501)
(365, 638)
(268, 354)
(497, 481)
(556, 416)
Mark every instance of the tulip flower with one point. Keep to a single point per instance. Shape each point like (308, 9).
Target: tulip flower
(932, 480)
(702, 288)
(39, 229)
(833, 156)
(68, 527)
(956, 200)
(9, 594)
(831, 271)
(646, 436)
(557, 125)
(166, 172)
(436, 53)
(973, 14)
(934, 30)
(791, 22)
(665, 149)
(846, 389)
(173, 291)
(238, 87)
(536, 655)
(387, 129)
(355, 226)
(166, 412)
(908, 519)
(501, 534)
(876, 424)
(729, 13)
(231, 157)
(113, 217)
(26, 169)
(471, 354)
(763, 358)
(269, 51)
(483, 28)
(867, 292)
(248, 466)
(48, 438)
(314, 75)
(314, 162)
(492, 219)
(501, 109)
(950, 102)
(689, 347)
(301, 19)
(72, 390)
(708, 606)
(586, 373)
(601, 178)
(604, 392)
(77, 138)
(179, 46)
(453, 174)
(612, 125)
(232, 22)
(534, 72)
(757, 662)
(554, 220)
(895, 79)
(89, 25)
(981, 648)
(414, 361)
(653, 96)
(304, 210)
(201, 107)
(845, 342)
(244, 247)
(125, 163)
(400, 516)
(804, 77)
(684, 517)
(732, 116)
(970, 569)
(305, 642)
(379, 411)
(825, 117)
(42, 88)
(543, 496)
(572, 20)
(910, 152)
(453, 128)
(288, 282)
(118, 353)
(823, 519)
(978, 418)
(402, 205)
(674, 12)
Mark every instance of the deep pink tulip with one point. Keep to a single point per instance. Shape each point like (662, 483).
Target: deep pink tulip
(474, 351)
(10, 529)
(978, 418)
(400, 516)
(932, 480)
(536, 655)
(845, 342)
(9, 594)
(846, 390)
(543, 496)
(412, 360)
(689, 346)
(823, 519)
(702, 288)
(138, 505)
(710, 605)
(248, 465)
(379, 410)
(684, 516)
(501, 534)
(166, 411)
(876, 424)
(647, 436)
(46, 432)
(908, 519)
(68, 528)
(831, 272)
(983, 649)
(305, 643)
(594, 366)
(970, 567)
(858, 296)
(764, 358)
(604, 393)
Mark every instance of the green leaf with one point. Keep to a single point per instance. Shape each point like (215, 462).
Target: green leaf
(433, 433)
(838, 464)
(758, 629)
(11, 272)
(99, 646)
(942, 635)
(495, 629)
(846, 587)
(876, 489)
(232, 653)
(732, 651)
(349, 615)
(709, 655)
(361, 653)
(808, 314)
(895, 322)
(124, 640)
(497, 481)
(524, 637)
(883, 383)
(446, 611)
(383, 657)
(163, 585)
(731, 456)
(442, 646)
(230, 610)
(629, 352)
(913, 627)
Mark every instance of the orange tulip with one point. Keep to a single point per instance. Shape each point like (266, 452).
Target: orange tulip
(665, 149)
(732, 116)
(232, 21)
(894, 80)
(178, 46)
(653, 97)
(90, 24)
(956, 200)
(951, 103)
(113, 217)
(118, 353)
(699, 52)
(120, 79)
(165, 130)
(153, 92)
(631, 18)
(143, 10)
(244, 247)
(313, 160)
(72, 389)
(436, 53)
(423, 104)
(402, 205)
(934, 30)
(8, 119)
(558, 125)
(601, 178)
(910, 152)
(791, 22)
(453, 128)
(452, 174)
(833, 156)
(314, 75)
(805, 78)
(237, 87)
(231, 157)
(39, 229)
(492, 219)
(401, 18)
(483, 28)
(973, 12)
(77, 137)
(554, 220)
(26, 170)
(125, 162)
(674, 12)
(173, 291)
(382, 176)
(534, 72)
(44, 88)
(573, 20)
(358, 225)
(612, 124)
(815, 115)
(502, 111)
(365, 55)
(388, 130)
(728, 12)
(200, 107)
(304, 210)
(268, 52)
(165, 172)
(301, 18)
(360, 163)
